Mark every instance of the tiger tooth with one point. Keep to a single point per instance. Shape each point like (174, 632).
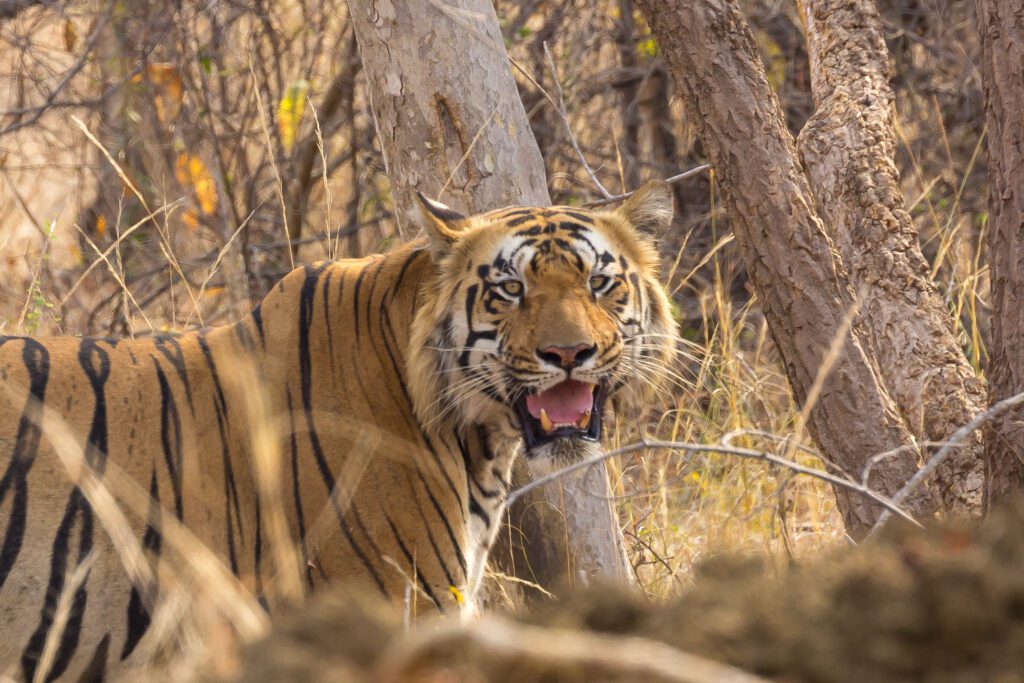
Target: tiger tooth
(584, 420)
(545, 421)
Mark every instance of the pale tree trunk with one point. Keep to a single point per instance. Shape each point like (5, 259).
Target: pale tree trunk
(792, 263)
(848, 149)
(1002, 39)
(448, 113)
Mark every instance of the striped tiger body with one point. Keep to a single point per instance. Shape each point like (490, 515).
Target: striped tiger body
(400, 388)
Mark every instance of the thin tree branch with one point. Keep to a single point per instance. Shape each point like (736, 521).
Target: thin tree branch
(890, 506)
(559, 107)
(674, 179)
(68, 75)
(560, 110)
(954, 441)
(12, 8)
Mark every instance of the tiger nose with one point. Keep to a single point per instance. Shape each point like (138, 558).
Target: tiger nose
(566, 357)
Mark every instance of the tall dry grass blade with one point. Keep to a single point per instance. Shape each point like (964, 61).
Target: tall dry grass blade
(60, 617)
(265, 443)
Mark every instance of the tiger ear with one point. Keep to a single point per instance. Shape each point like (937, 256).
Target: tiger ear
(442, 223)
(649, 209)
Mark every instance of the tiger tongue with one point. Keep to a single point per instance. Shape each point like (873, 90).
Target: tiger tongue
(564, 403)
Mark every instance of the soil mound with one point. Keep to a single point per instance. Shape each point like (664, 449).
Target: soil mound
(943, 604)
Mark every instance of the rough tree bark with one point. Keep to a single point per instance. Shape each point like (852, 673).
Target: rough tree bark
(848, 148)
(449, 118)
(792, 263)
(1001, 23)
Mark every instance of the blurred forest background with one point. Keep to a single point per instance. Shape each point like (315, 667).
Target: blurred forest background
(152, 153)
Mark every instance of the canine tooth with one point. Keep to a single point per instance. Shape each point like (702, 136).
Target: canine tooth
(584, 420)
(545, 421)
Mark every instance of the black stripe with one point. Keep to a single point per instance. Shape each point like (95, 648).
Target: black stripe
(96, 670)
(230, 488)
(444, 520)
(387, 328)
(327, 320)
(476, 509)
(296, 493)
(413, 257)
(78, 514)
(473, 336)
(95, 363)
(138, 607)
(355, 300)
(430, 534)
(577, 215)
(257, 317)
(468, 461)
(170, 438)
(26, 445)
(171, 350)
(520, 220)
(305, 378)
(412, 563)
(205, 348)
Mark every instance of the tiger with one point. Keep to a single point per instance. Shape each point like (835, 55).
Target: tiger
(408, 384)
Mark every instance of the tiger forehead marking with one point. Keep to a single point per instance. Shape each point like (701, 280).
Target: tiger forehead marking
(575, 243)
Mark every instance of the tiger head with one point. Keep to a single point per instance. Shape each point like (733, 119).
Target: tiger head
(537, 318)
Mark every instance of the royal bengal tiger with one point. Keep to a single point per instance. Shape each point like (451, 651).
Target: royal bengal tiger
(409, 383)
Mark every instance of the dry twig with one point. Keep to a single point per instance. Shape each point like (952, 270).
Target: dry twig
(559, 106)
(749, 453)
(954, 441)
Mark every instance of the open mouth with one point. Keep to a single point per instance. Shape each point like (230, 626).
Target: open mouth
(568, 409)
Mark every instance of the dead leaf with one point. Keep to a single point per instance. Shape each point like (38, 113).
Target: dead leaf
(192, 172)
(289, 113)
(70, 35)
(166, 80)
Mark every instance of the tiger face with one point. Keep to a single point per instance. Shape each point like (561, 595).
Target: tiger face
(541, 318)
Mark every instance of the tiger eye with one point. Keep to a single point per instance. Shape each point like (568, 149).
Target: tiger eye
(512, 287)
(598, 282)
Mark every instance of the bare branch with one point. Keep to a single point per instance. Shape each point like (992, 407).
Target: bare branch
(674, 179)
(954, 441)
(68, 76)
(836, 480)
(560, 110)
(12, 8)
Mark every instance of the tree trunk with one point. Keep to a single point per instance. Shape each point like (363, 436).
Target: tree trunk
(792, 263)
(847, 147)
(1002, 38)
(451, 124)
